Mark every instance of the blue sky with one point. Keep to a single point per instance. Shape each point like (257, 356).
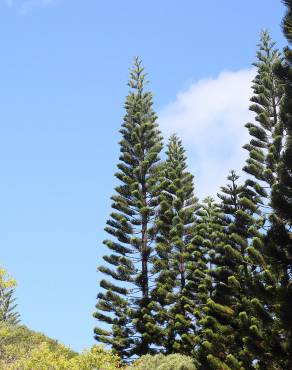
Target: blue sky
(63, 72)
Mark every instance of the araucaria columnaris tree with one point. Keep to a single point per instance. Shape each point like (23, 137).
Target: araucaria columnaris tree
(265, 150)
(219, 323)
(222, 332)
(208, 236)
(124, 302)
(175, 222)
(8, 313)
(267, 130)
(280, 237)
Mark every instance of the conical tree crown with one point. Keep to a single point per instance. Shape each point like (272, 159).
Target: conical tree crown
(175, 224)
(266, 144)
(124, 302)
(279, 240)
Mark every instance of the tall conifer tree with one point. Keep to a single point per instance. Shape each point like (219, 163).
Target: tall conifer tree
(265, 149)
(175, 224)
(282, 194)
(267, 132)
(279, 241)
(208, 236)
(125, 300)
(222, 340)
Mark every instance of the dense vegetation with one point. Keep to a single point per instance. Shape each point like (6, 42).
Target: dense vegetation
(23, 349)
(210, 279)
(188, 284)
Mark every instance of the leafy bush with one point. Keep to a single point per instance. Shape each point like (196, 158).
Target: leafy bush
(42, 358)
(23, 349)
(97, 358)
(161, 362)
(17, 342)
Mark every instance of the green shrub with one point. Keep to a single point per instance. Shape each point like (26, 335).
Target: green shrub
(97, 358)
(161, 362)
(24, 349)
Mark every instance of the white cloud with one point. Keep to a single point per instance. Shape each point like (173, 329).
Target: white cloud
(209, 117)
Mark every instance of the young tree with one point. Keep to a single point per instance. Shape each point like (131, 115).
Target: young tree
(208, 237)
(125, 302)
(175, 223)
(8, 313)
(221, 335)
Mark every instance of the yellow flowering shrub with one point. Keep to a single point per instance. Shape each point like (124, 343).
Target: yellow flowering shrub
(43, 358)
(96, 358)
(161, 362)
(6, 281)
(23, 349)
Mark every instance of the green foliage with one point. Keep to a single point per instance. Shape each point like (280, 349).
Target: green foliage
(96, 358)
(221, 336)
(175, 222)
(125, 301)
(265, 335)
(23, 349)
(210, 281)
(267, 133)
(214, 333)
(8, 313)
(161, 362)
(279, 241)
(42, 357)
(17, 343)
(258, 317)
(206, 286)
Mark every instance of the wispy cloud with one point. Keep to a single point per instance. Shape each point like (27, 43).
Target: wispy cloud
(210, 116)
